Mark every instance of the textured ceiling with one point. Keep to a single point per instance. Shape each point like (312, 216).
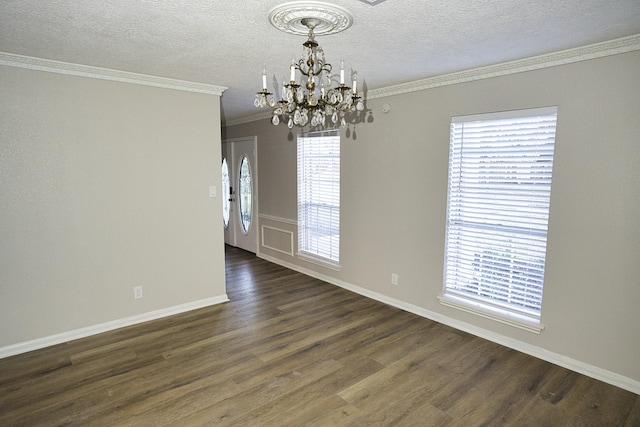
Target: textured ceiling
(226, 42)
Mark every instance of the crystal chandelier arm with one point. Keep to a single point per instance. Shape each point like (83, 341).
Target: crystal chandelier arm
(300, 66)
(326, 68)
(308, 65)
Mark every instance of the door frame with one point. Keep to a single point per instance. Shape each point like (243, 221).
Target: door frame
(233, 162)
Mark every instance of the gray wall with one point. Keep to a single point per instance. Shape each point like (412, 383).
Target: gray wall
(104, 187)
(394, 191)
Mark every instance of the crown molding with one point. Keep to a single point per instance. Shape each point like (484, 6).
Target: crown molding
(248, 119)
(79, 70)
(584, 53)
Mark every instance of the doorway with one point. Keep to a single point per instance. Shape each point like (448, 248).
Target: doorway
(240, 193)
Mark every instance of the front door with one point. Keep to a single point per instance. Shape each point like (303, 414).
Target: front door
(241, 206)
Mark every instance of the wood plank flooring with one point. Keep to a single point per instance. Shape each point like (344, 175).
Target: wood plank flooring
(290, 350)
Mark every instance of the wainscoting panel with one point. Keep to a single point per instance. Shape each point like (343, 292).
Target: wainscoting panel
(277, 239)
(277, 234)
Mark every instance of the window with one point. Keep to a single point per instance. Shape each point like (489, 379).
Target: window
(319, 197)
(226, 194)
(245, 194)
(500, 168)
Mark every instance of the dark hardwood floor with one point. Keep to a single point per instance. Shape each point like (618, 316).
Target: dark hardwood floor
(290, 350)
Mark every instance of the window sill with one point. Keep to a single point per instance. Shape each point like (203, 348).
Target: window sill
(323, 262)
(492, 313)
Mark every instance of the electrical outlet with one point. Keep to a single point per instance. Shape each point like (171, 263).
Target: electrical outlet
(137, 292)
(394, 279)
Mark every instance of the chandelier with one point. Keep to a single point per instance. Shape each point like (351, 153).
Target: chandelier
(317, 97)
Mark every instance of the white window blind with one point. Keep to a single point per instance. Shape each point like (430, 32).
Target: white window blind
(500, 168)
(319, 195)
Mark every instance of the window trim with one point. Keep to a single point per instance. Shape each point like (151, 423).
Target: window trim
(301, 253)
(490, 312)
(318, 260)
(453, 299)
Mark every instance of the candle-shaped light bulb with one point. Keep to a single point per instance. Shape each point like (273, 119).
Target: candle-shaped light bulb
(342, 71)
(264, 77)
(293, 70)
(355, 81)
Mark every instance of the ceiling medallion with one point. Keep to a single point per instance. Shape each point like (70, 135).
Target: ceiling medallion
(330, 18)
(315, 95)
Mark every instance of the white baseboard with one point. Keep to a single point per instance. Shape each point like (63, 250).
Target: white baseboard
(63, 337)
(535, 351)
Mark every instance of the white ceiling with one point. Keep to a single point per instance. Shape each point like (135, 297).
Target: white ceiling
(226, 42)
